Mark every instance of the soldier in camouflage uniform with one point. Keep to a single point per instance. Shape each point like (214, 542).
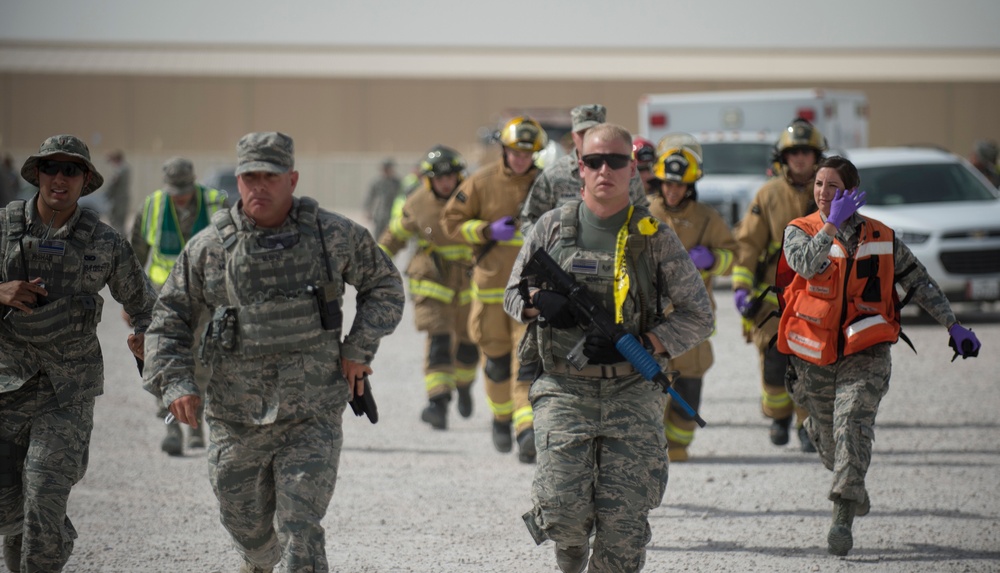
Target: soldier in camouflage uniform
(439, 285)
(168, 219)
(710, 243)
(784, 197)
(54, 260)
(271, 271)
(842, 265)
(381, 197)
(602, 464)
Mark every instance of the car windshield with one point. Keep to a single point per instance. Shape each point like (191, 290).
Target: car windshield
(933, 183)
(736, 158)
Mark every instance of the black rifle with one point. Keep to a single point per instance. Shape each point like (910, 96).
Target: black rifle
(589, 313)
(365, 404)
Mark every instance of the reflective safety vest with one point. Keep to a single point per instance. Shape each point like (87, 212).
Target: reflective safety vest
(162, 232)
(848, 306)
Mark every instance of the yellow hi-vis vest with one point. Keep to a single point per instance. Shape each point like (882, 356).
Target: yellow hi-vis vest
(161, 227)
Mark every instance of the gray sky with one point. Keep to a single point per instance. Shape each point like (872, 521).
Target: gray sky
(697, 24)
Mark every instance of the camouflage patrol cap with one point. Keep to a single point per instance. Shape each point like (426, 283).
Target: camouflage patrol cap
(62, 145)
(587, 116)
(269, 151)
(178, 175)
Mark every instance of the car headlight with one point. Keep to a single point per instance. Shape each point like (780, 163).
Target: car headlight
(911, 238)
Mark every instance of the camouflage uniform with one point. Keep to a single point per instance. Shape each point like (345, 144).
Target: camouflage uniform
(51, 365)
(843, 398)
(601, 448)
(759, 237)
(379, 201)
(118, 194)
(695, 224)
(275, 401)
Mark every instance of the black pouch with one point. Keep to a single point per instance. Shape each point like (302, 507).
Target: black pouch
(330, 315)
(365, 404)
(11, 456)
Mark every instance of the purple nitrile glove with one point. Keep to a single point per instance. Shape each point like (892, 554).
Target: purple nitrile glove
(845, 204)
(963, 341)
(503, 229)
(702, 257)
(743, 300)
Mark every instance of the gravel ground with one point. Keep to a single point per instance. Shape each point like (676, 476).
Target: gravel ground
(410, 499)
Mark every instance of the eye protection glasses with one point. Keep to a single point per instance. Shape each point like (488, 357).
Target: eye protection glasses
(614, 160)
(279, 241)
(68, 168)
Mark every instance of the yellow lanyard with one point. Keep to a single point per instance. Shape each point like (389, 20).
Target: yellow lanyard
(621, 272)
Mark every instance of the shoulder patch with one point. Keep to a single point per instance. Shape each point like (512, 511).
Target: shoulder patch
(461, 197)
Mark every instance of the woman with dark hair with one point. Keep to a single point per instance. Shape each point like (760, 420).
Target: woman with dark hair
(839, 270)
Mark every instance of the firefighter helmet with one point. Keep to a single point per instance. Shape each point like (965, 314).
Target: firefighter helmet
(801, 134)
(679, 140)
(524, 134)
(679, 165)
(441, 160)
(643, 151)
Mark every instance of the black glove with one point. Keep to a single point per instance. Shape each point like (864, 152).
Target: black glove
(600, 349)
(555, 309)
(365, 404)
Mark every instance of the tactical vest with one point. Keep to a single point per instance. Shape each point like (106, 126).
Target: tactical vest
(595, 270)
(848, 306)
(161, 228)
(271, 288)
(68, 313)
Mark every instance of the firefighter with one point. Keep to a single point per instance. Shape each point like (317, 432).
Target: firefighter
(482, 213)
(439, 285)
(645, 156)
(711, 245)
(786, 196)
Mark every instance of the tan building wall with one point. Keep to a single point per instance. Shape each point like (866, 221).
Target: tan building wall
(344, 127)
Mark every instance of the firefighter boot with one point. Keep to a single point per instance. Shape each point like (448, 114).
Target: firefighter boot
(172, 442)
(676, 452)
(12, 552)
(807, 444)
(779, 431)
(196, 437)
(526, 446)
(465, 401)
(501, 437)
(572, 559)
(436, 412)
(248, 567)
(839, 540)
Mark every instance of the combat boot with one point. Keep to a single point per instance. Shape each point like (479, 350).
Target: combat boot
(12, 552)
(501, 437)
(465, 401)
(807, 444)
(572, 559)
(248, 567)
(864, 507)
(779, 431)
(196, 437)
(839, 540)
(436, 412)
(526, 446)
(172, 443)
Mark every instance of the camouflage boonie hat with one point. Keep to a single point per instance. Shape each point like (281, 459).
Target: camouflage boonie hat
(62, 145)
(587, 116)
(178, 176)
(269, 151)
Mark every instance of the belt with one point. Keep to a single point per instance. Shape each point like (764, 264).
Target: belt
(616, 370)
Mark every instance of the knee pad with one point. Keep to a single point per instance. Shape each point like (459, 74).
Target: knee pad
(775, 365)
(690, 390)
(467, 353)
(439, 350)
(498, 369)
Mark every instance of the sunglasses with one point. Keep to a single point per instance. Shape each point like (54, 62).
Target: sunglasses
(279, 241)
(614, 160)
(68, 168)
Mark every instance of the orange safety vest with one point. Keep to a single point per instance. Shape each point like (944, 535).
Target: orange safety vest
(849, 306)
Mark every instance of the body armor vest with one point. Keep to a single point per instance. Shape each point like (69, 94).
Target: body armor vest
(272, 283)
(66, 313)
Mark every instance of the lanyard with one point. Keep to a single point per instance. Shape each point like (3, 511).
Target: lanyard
(621, 272)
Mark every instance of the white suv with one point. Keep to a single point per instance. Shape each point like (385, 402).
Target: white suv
(944, 211)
